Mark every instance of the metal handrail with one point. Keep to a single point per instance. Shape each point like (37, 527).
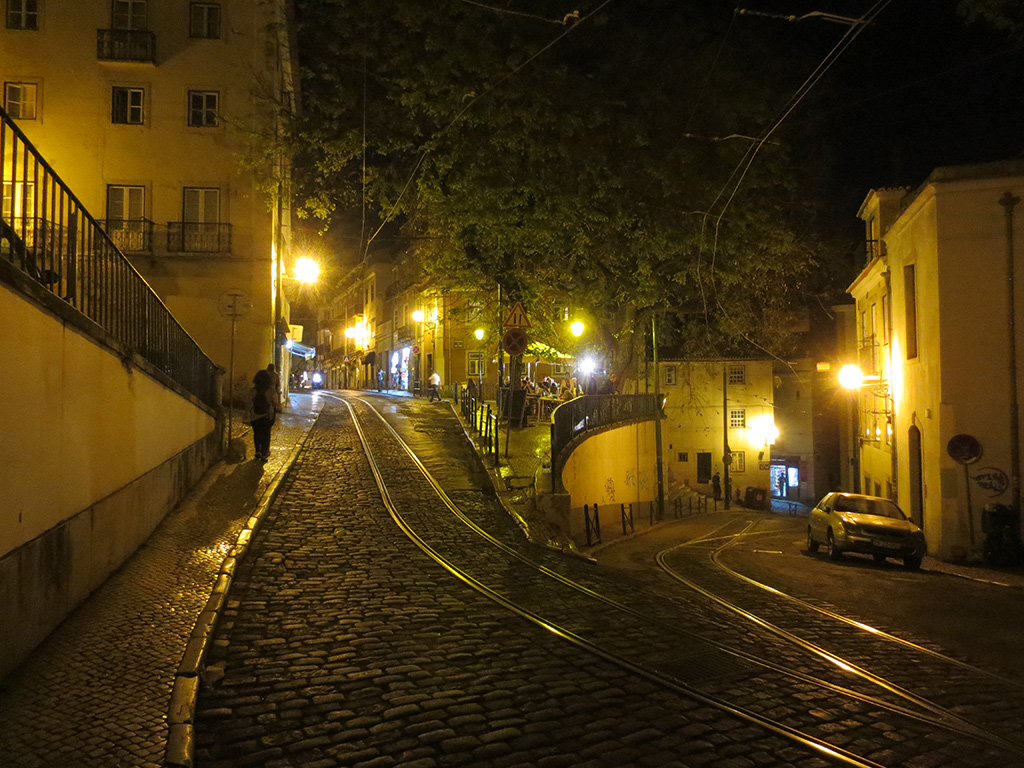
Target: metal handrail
(46, 233)
(125, 45)
(574, 418)
(198, 237)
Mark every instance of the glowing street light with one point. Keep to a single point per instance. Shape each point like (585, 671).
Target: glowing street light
(576, 328)
(307, 270)
(479, 333)
(418, 315)
(588, 365)
(850, 377)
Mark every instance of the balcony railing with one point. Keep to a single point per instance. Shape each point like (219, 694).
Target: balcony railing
(198, 237)
(131, 235)
(47, 235)
(126, 45)
(591, 413)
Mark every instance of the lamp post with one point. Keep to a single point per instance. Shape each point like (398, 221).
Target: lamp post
(479, 334)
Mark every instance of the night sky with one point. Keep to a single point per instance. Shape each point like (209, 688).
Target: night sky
(918, 89)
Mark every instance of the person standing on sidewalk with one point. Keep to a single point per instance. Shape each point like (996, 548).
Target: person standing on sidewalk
(435, 386)
(275, 379)
(265, 405)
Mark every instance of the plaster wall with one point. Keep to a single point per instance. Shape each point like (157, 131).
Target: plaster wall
(94, 454)
(955, 234)
(608, 469)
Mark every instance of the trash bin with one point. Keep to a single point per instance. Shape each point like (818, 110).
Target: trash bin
(997, 518)
(756, 498)
(1001, 525)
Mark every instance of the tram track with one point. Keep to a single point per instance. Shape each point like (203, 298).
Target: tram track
(967, 690)
(742, 673)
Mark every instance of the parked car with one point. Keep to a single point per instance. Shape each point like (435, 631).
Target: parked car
(852, 522)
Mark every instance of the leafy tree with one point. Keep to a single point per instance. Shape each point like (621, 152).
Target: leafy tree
(603, 157)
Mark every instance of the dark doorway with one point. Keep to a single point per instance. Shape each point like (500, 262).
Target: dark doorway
(916, 480)
(703, 467)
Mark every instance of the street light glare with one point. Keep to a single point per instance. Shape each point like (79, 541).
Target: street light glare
(307, 270)
(588, 366)
(418, 315)
(850, 377)
(576, 328)
(479, 333)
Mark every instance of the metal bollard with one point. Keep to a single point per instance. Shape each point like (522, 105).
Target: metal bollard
(586, 520)
(622, 511)
(597, 524)
(652, 512)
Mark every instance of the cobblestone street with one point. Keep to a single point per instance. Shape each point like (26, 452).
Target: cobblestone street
(421, 629)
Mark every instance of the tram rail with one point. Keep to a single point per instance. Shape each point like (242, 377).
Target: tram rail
(919, 719)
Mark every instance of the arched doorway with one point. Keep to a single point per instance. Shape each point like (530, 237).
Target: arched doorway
(916, 476)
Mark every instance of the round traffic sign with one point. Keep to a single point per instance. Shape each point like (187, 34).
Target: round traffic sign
(514, 341)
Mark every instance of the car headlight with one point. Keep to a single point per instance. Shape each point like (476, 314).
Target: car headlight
(848, 525)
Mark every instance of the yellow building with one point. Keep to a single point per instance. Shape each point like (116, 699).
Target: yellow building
(937, 416)
(705, 401)
(146, 110)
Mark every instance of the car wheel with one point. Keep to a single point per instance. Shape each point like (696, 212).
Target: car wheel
(912, 562)
(812, 545)
(834, 553)
(879, 558)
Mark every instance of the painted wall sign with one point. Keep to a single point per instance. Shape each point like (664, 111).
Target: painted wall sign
(992, 480)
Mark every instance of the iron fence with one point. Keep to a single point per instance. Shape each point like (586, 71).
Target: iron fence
(125, 45)
(46, 233)
(592, 412)
(198, 237)
(130, 235)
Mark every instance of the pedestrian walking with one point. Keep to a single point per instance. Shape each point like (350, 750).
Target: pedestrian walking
(435, 386)
(716, 486)
(380, 379)
(264, 407)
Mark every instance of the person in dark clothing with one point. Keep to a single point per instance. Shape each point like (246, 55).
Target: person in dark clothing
(264, 412)
(716, 486)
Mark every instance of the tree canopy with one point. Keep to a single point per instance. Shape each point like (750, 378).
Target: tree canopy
(608, 155)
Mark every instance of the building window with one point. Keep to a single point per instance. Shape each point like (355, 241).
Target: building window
(204, 20)
(22, 14)
(670, 375)
(476, 363)
(739, 462)
(126, 105)
(682, 456)
(201, 205)
(910, 300)
(20, 100)
(737, 374)
(202, 109)
(129, 14)
(127, 226)
(737, 418)
(19, 204)
(885, 318)
(559, 369)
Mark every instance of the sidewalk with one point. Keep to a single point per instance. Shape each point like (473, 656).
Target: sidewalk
(97, 691)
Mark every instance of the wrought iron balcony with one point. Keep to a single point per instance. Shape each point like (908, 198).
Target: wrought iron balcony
(198, 237)
(130, 235)
(126, 45)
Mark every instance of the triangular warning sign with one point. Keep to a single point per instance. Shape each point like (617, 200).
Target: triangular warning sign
(517, 317)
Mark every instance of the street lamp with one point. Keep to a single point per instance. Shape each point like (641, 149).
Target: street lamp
(479, 333)
(307, 270)
(576, 329)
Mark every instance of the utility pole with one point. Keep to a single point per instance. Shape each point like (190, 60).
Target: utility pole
(659, 462)
(726, 453)
(1009, 202)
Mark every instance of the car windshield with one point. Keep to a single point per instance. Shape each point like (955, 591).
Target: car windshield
(867, 506)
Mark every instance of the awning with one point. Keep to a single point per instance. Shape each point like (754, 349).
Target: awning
(371, 358)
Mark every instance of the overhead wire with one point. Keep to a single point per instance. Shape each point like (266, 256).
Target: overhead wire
(743, 167)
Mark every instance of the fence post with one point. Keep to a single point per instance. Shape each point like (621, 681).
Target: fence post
(597, 524)
(586, 519)
(622, 511)
(652, 513)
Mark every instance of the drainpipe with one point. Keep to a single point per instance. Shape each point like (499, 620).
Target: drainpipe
(1009, 202)
(726, 453)
(890, 400)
